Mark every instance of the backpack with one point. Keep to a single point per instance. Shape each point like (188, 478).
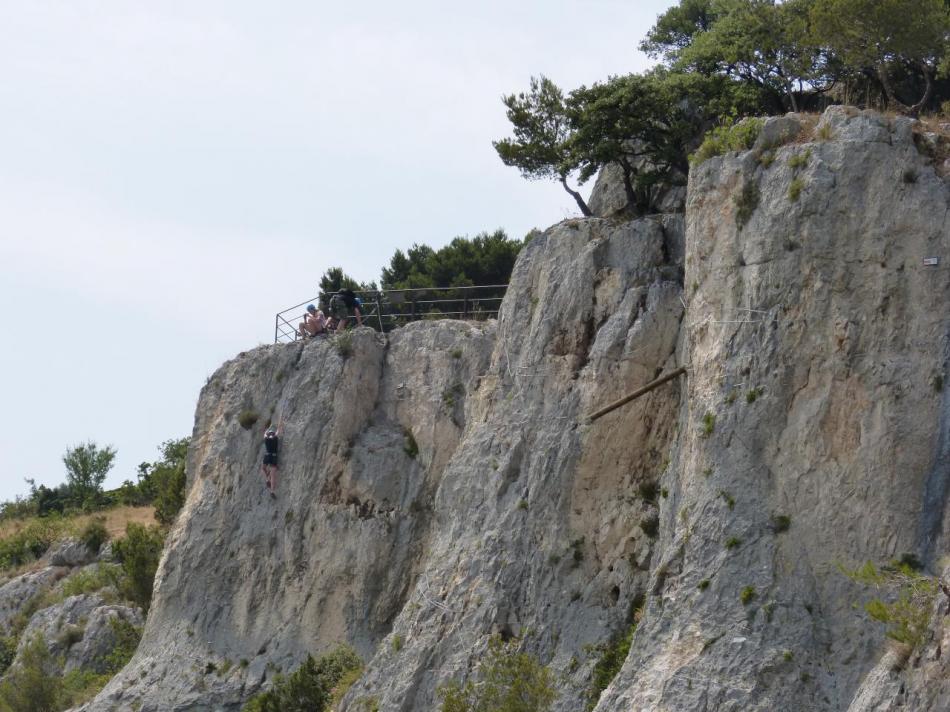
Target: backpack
(349, 298)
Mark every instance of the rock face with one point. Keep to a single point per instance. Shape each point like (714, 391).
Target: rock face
(818, 346)
(17, 591)
(443, 483)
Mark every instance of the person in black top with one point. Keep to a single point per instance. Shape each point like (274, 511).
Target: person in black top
(269, 467)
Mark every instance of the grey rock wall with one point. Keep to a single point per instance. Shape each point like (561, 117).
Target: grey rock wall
(811, 432)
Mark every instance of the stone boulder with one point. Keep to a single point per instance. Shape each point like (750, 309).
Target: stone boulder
(19, 591)
(61, 625)
(777, 131)
(100, 638)
(70, 552)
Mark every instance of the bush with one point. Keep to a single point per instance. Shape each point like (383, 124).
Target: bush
(651, 526)
(747, 595)
(508, 681)
(247, 418)
(726, 138)
(127, 637)
(310, 688)
(907, 603)
(30, 542)
(611, 660)
(781, 523)
(410, 447)
(7, 652)
(709, 424)
(138, 552)
(795, 189)
(29, 687)
(94, 534)
(746, 202)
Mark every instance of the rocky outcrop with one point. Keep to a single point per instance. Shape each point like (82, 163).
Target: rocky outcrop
(18, 591)
(443, 483)
(812, 431)
(70, 552)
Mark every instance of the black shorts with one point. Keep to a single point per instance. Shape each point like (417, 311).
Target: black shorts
(270, 458)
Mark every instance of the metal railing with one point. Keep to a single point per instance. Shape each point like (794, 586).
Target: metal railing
(387, 309)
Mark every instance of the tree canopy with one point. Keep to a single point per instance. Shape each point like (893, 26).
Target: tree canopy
(86, 468)
(722, 60)
(487, 258)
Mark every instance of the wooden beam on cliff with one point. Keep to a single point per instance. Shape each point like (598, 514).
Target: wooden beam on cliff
(637, 393)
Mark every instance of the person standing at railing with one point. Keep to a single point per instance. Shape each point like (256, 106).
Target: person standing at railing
(314, 322)
(343, 305)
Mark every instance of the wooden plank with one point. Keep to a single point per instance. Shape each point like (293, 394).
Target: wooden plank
(637, 393)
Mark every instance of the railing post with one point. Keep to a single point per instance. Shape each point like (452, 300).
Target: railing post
(276, 324)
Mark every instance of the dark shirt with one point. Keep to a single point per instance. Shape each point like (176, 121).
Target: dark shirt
(271, 442)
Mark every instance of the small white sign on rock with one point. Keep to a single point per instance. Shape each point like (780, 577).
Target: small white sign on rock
(931, 261)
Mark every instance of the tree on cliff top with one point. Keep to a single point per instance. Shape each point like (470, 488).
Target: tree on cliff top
(762, 43)
(880, 35)
(541, 130)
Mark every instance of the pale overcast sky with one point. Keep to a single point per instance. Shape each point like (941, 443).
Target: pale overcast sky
(174, 173)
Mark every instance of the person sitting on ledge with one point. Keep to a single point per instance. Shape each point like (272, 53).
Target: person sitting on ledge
(313, 324)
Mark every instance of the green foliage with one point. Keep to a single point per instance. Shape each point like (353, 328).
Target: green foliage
(612, 658)
(138, 553)
(727, 138)
(626, 119)
(781, 523)
(8, 645)
(486, 259)
(508, 681)
(343, 343)
(732, 542)
(703, 585)
(29, 687)
(335, 279)
(747, 200)
(540, 147)
(410, 446)
(709, 424)
(163, 482)
(747, 595)
(86, 468)
(799, 160)
(397, 643)
(650, 526)
(648, 490)
(309, 688)
(906, 604)
(728, 499)
(90, 579)
(247, 418)
(94, 534)
(795, 189)
(885, 34)
(676, 28)
(752, 395)
(31, 541)
(127, 637)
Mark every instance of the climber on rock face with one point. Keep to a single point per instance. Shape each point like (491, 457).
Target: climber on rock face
(269, 467)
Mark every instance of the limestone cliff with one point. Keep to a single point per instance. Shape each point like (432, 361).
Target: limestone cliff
(443, 483)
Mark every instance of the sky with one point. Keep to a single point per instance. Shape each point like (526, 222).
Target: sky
(172, 174)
